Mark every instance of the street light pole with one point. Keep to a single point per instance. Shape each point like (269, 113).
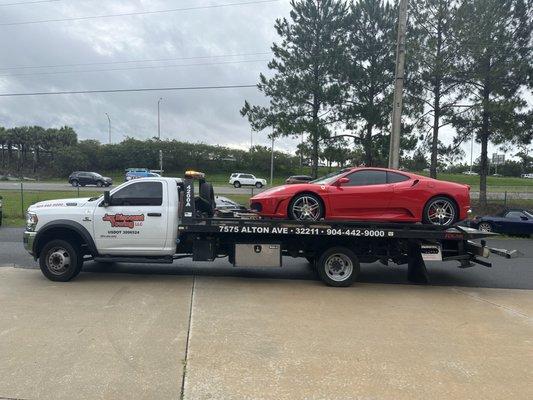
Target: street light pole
(109, 126)
(159, 134)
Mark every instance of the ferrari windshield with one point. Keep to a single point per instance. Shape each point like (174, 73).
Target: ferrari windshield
(330, 178)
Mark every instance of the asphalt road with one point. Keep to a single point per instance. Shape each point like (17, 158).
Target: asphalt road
(48, 186)
(505, 273)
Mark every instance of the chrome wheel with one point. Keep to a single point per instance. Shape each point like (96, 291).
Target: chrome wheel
(441, 212)
(338, 267)
(306, 208)
(58, 260)
(485, 227)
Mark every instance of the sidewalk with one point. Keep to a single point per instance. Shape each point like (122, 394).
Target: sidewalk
(109, 336)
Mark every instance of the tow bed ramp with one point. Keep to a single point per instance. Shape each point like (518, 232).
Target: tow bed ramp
(401, 243)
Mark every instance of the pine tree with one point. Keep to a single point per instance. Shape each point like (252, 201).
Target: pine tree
(435, 52)
(494, 45)
(302, 93)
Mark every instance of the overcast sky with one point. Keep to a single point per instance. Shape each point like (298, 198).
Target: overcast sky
(227, 45)
(215, 46)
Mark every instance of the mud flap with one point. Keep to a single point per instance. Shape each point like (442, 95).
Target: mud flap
(416, 267)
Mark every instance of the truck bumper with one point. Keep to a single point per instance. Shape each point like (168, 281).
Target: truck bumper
(28, 238)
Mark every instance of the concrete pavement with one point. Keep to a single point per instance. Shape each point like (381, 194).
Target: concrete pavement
(212, 331)
(109, 336)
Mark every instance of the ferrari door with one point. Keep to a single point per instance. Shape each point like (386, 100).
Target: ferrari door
(366, 195)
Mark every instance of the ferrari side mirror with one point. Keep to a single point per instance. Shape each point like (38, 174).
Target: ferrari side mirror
(342, 181)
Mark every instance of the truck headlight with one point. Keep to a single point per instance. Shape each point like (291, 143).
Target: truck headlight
(31, 221)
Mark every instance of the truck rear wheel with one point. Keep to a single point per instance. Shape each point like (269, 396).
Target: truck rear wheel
(338, 266)
(60, 260)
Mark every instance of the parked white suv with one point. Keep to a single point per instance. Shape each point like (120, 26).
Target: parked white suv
(239, 179)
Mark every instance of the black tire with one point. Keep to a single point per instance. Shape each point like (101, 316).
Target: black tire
(258, 185)
(60, 261)
(317, 215)
(99, 184)
(338, 266)
(236, 184)
(74, 183)
(448, 204)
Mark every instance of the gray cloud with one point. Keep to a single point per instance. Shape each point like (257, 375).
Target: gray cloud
(207, 116)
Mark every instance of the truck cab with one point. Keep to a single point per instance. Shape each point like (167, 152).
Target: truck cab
(138, 218)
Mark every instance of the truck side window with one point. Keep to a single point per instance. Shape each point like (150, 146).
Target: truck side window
(139, 194)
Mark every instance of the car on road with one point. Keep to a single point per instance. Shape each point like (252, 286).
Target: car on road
(82, 178)
(298, 179)
(516, 221)
(470, 173)
(140, 174)
(238, 179)
(371, 194)
(527, 176)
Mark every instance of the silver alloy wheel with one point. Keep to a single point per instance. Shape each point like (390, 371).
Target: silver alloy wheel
(58, 260)
(485, 227)
(338, 267)
(441, 212)
(306, 208)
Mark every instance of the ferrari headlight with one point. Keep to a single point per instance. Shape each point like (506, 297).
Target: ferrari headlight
(31, 221)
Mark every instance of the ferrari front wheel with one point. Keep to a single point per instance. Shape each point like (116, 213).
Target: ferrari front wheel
(440, 211)
(306, 207)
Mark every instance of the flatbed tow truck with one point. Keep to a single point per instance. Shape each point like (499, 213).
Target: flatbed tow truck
(169, 222)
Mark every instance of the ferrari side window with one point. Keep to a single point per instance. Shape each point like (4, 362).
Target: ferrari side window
(367, 177)
(393, 177)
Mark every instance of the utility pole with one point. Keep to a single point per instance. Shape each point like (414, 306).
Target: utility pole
(394, 148)
(472, 153)
(109, 126)
(272, 163)
(159, 135)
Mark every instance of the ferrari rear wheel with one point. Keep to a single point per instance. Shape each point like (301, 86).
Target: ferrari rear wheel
(440, 211)
(306, 207)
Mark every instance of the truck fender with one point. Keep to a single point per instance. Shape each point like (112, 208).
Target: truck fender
(67, 225)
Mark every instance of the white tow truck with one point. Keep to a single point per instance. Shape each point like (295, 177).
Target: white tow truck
(158, 220)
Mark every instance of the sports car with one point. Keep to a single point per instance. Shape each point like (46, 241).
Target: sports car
(370, 194)
(511, 222)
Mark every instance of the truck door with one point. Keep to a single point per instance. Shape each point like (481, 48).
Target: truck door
(135, 222)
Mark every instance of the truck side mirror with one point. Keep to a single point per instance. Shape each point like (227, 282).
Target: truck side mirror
(107, 199)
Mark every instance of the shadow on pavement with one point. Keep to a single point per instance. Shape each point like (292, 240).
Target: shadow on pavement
(441, 274)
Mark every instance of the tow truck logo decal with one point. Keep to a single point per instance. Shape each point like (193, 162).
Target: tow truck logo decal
(123, 221)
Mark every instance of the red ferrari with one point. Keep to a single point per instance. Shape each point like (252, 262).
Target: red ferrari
(370, 194)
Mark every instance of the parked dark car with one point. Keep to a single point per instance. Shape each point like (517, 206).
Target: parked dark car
(511, 222)
(81, 178)
(298, 179)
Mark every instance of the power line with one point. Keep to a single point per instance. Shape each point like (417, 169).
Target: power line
(131, 61)
(42, 21)
(134, 68)
(179, 88)
(27, 2)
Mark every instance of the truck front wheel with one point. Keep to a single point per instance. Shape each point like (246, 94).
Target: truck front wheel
(338, 266)
(60, 260)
